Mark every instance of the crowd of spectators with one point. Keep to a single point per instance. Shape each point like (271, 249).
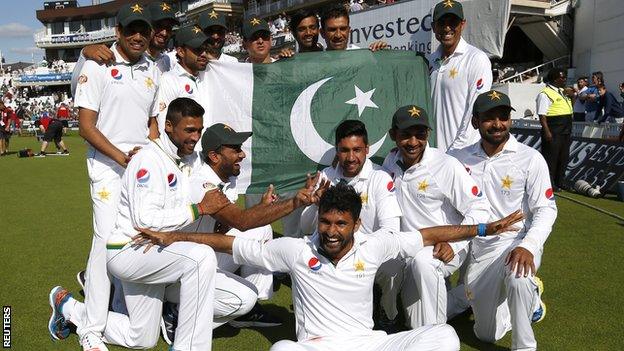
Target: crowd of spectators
(359, 5)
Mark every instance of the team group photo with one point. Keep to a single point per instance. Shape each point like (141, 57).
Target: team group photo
(312, 175)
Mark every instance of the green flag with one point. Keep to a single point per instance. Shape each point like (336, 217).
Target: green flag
(293, 107)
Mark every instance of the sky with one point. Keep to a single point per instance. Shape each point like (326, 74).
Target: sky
(17, 29)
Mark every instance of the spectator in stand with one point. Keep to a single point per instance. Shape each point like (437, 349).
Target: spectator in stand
(355, 6)
(4, 131)
(305, 27)
(612, 111)
(592, 98)
(579, 104)
(257, 41)
(622, 91)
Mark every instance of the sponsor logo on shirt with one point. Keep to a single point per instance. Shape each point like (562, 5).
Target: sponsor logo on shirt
(480, 84)
(188, 89)
(549, 194)
(82, 79)
(390, 186)
(172, 180)
(116, 74)
(142, 176)
(476, 192)
(314, 264)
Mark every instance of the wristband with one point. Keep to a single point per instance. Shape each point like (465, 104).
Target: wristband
(481, 229)
(196, 211)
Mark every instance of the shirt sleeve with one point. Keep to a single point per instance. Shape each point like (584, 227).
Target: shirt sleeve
(389, 244)
(386, 204)
(541, 205)
(542, 103)
(278, 255)
(91, 87)
(76, 73)
(145, 197)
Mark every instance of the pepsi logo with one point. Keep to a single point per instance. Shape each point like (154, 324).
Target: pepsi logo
(116, 74)
(476, 192)
(172, 180)
(188, 89)
(550, 195)
(143, 176)
(314, 264)
(480, 84)
(390, 186)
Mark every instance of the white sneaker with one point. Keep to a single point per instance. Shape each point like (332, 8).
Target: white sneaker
(92, 342)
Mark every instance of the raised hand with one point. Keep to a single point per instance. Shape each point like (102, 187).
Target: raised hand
(505, 224)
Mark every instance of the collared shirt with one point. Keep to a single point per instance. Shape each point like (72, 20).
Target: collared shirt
(164, 61)
(579, 105)
(376, 189)
(591, 106)
(455, 84)
(123, 95)
(178, 83)
(436, 191)
(516, 178)
(154, 192)
(202, 180)
(329, 299)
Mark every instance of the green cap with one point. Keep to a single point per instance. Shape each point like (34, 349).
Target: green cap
(490, 100)
(409, 116)
(253, 25)
(221, 134)
(448, 7)
(191, 36)
(133, 12)
(160, 10)
(209, 19)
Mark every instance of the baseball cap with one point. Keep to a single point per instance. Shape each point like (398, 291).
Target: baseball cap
(133, 12)
(191, 36)
(160, 10)
(221, 134)
(209, 19)
(490, 100)
(448, 7)
(409, 116)
(254, 25)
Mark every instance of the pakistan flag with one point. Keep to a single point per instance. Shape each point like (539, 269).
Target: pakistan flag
(293, 107)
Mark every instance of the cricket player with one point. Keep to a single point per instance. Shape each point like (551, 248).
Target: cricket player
(459, 72)
(333, 273)
(117, 113)
(184, 79)
(501, 284)
(380, 208)
(433, 189)
(213, 25)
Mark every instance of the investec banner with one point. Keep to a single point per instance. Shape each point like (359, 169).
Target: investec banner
(404, 25)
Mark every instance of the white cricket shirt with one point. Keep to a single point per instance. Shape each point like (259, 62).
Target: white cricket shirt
(377, 191)
(154, 192)
(174, 84)
(455, 84)
(329, 300)
(436, 191)
(516, 178)
(123, 95)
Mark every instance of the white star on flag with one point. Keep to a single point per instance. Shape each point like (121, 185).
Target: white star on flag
(362, 100)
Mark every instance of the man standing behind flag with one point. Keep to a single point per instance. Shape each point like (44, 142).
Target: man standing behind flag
(185, 77)
(500, 281)
(116, 106)
(459, 72)
(432, 189)
(257, 41)
(213, 25)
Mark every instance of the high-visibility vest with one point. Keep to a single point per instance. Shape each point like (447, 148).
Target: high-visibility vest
(561, 105)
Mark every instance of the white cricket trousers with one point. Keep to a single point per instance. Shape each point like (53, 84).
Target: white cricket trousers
(105, 186)
(500, 301)
(262, 279)
(440, 337)
(424, 292)
(145, 276)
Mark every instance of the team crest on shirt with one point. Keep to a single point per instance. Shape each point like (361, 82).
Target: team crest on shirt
(476, 191)
(82, 79)
(364, 198)
(172, 180)
(550, 195)
(116, 74)
(314, 264)
(359, 266)
(480, 84)
(506, 183)
(188, 89)
(143, 177)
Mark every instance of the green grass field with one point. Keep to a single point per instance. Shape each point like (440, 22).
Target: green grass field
(45, 218)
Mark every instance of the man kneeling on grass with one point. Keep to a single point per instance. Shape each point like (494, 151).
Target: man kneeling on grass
(333, 272)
